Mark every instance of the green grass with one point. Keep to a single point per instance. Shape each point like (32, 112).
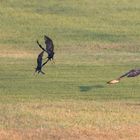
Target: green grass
(70, 22)
(67, 81)
(95, 41)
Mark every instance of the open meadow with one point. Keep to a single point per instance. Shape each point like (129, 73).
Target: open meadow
(95, 41)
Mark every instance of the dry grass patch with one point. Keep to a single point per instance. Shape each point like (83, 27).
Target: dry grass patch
(122, 133)
(69, 115)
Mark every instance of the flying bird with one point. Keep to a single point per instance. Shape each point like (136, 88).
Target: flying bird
(49, 48)
(131, 73)
(39, 63)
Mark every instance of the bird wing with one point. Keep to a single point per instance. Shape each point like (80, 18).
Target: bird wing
(133, 73)
(40, 46)
(49, 44)
(124, 74)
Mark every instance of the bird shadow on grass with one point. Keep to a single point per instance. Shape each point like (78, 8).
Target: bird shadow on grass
(84, 88)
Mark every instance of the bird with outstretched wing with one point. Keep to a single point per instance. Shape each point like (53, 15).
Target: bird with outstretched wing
(131, 73)
(49, 48)
(49, 44)
(39, 63)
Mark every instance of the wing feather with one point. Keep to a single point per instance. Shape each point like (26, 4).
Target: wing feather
(49, 44)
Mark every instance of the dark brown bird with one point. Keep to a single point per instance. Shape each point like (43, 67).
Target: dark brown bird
(49, 48)
(131, 73)
(39, 63)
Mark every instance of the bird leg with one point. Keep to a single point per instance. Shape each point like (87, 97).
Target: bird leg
(45, 62)
(53, 62)
(41, 72)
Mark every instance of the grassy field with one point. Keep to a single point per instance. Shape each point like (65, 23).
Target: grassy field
(95, 41)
